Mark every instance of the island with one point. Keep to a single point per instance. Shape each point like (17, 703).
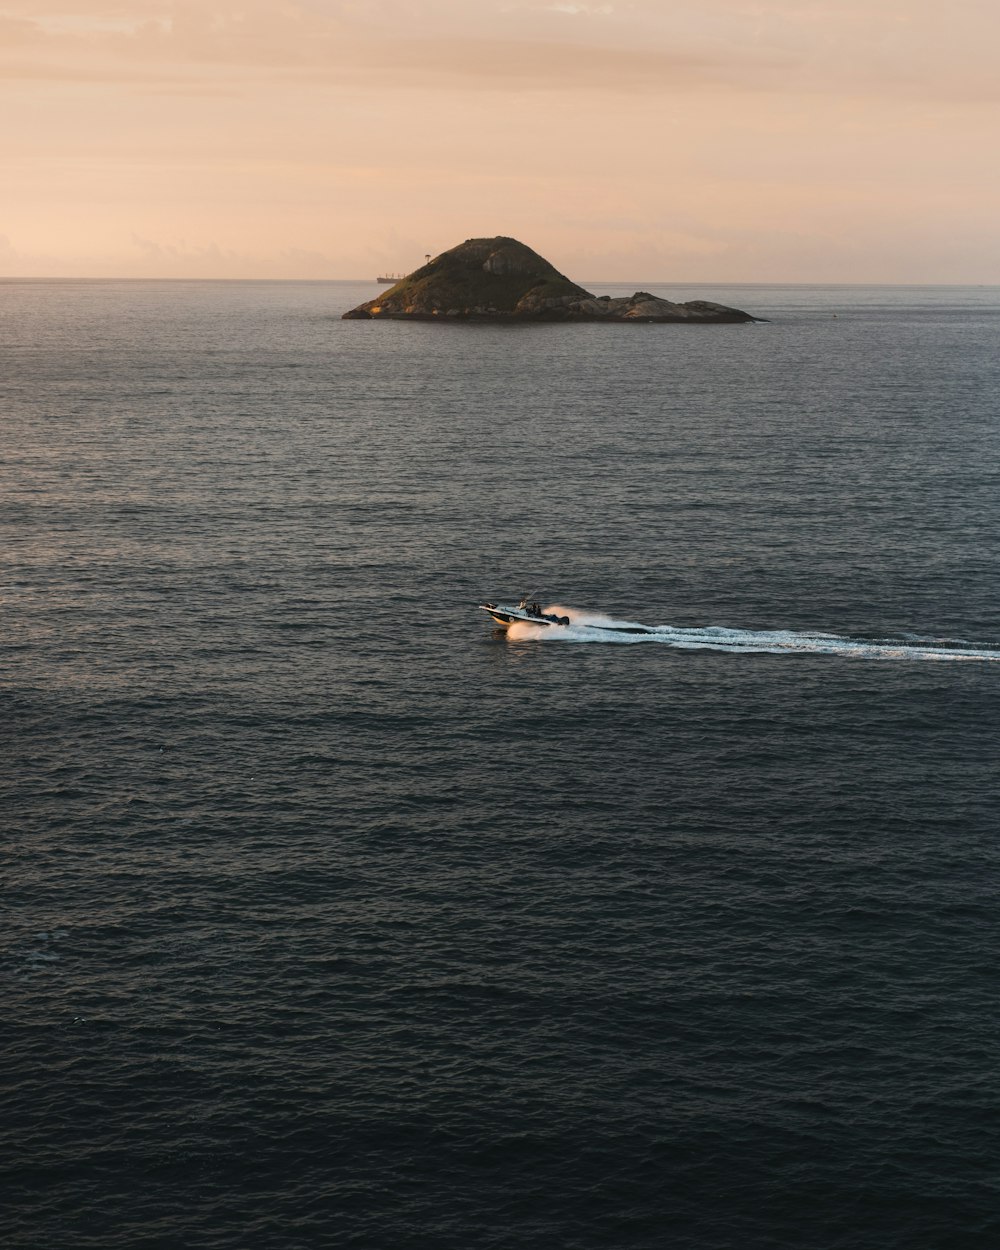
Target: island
(503, 280)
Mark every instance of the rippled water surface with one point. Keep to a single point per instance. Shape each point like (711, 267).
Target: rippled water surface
(335, 918)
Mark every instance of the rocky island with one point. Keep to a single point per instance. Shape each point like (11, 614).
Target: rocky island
(503, 280)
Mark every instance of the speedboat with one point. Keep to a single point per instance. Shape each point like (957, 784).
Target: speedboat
(504, 614)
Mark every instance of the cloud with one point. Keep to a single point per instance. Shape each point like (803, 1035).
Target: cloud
(207, 137)
(806, 46)
(178, 258)
(257, 41)
(547, 67)
(576, 10)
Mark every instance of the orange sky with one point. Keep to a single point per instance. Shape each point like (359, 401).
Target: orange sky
(711, 140)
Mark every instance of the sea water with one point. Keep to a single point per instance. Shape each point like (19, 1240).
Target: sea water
(334, 916)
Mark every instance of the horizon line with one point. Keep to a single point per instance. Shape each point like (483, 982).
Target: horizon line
(10, 279)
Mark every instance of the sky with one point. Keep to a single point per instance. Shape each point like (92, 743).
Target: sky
(653, 140)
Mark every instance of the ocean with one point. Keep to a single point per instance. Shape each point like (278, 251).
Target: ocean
(335, 917)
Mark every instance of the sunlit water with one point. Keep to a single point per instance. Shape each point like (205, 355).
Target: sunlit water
(335, 916)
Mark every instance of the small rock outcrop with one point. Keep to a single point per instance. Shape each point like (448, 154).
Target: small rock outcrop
(501, 280)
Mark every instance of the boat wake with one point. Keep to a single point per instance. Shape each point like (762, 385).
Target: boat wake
(594, 627)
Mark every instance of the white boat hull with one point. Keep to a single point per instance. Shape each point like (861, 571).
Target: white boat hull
(507, 614)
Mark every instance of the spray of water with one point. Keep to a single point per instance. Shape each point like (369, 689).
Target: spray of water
(595, 627)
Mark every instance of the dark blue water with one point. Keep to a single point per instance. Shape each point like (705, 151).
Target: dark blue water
(334, 918)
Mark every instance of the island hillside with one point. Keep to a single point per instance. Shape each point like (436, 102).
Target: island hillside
(503, 280)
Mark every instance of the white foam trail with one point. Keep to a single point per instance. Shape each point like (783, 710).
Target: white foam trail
(596, 627)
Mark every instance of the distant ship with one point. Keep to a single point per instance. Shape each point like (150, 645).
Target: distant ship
(390, 279)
